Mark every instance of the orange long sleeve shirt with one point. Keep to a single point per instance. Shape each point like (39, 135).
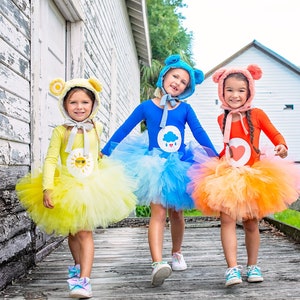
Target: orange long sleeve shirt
(240, 144)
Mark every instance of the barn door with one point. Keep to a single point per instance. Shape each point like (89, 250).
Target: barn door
(57, 51)
(48, 62)
(50, 58)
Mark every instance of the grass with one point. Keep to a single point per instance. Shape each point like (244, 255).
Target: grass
(145, 211)
(192, 213)
(289, 216)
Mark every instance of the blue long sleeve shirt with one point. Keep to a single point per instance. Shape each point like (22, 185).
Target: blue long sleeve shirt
(170, 138)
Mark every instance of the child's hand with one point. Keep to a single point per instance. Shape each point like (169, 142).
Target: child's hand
(280, 150)
(47, 199)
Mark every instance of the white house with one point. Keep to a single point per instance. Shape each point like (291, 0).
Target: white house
(277, 93)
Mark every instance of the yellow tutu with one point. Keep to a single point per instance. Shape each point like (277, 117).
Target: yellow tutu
(269, 186)
(104, 197)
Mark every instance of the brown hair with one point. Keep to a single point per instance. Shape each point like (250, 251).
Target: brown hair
(241, 76)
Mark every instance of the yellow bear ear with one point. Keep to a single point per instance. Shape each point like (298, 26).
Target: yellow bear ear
(56, 86)
(95, 84)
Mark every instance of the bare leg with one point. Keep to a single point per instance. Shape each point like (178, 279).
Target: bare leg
(229, 239)
(74, 248)
(156, 231)
(82, 244)
(177, 229)
(252, 240)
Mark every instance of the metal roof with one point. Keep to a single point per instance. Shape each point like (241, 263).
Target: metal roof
(137, 12)
(260, 47)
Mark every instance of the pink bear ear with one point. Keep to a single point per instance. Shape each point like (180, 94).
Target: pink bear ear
(255, 71)
(217, 75)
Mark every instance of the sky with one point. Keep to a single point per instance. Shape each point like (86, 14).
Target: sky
(222, 27)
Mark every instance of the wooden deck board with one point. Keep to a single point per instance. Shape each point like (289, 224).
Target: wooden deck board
(122, 268)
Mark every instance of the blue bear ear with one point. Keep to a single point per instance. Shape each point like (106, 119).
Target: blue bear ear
(172, 59)
(199, 76)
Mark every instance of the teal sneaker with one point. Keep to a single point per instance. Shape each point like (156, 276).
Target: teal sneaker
(233, 276)
(254, 274)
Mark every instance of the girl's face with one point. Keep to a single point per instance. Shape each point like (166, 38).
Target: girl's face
(176, 81)
(235, 92)
(79, 105)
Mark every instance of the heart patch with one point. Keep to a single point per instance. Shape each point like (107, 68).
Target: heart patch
(237, 152)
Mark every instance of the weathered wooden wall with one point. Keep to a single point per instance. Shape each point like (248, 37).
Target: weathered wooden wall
(108, 52)
(15, 227)
(111, 55)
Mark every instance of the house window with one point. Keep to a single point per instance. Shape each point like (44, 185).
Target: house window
(288, 107)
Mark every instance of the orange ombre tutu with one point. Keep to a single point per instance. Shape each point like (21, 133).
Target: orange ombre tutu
(268, 186)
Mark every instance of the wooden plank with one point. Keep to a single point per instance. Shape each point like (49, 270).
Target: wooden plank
(122, 267)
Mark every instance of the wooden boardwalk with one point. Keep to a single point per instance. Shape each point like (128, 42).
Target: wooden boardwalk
(122, 267)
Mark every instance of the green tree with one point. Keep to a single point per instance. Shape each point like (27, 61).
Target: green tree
(167, 36)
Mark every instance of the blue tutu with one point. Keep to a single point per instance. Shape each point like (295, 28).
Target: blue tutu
(161, 176)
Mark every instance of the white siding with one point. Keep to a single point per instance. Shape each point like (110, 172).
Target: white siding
(111, 56)
(279, 86)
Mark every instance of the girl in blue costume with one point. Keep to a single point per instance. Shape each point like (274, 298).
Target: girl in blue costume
(76, 192)
(160, 160)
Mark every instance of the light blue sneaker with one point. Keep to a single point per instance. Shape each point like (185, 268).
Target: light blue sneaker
(74, 271)
(233, 275)
(80, 288)
(254, 274)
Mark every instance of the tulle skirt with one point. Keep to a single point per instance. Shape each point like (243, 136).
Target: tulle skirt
(269, 186)
(161, 177)
(104, 197)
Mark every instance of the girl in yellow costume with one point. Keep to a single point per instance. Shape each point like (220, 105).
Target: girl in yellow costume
(77, 190)
(246, 183)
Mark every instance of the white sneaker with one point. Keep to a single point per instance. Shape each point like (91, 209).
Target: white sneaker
(178, 262)
(80, 288)
(161, 271)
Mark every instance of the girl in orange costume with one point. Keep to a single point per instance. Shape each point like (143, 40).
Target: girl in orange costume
(244, 184)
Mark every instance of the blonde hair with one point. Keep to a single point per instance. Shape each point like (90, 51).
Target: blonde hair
(158, 92)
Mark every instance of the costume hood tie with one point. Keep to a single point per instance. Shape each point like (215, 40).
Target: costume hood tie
(229, 122)
(253, 72)
(164, 102)
(86, 125)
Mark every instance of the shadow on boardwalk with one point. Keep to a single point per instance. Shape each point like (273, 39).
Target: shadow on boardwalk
(122, 267)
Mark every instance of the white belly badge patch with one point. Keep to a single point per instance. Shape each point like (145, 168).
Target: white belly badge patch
(241, 152)
(169, 139)
(79, 165)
